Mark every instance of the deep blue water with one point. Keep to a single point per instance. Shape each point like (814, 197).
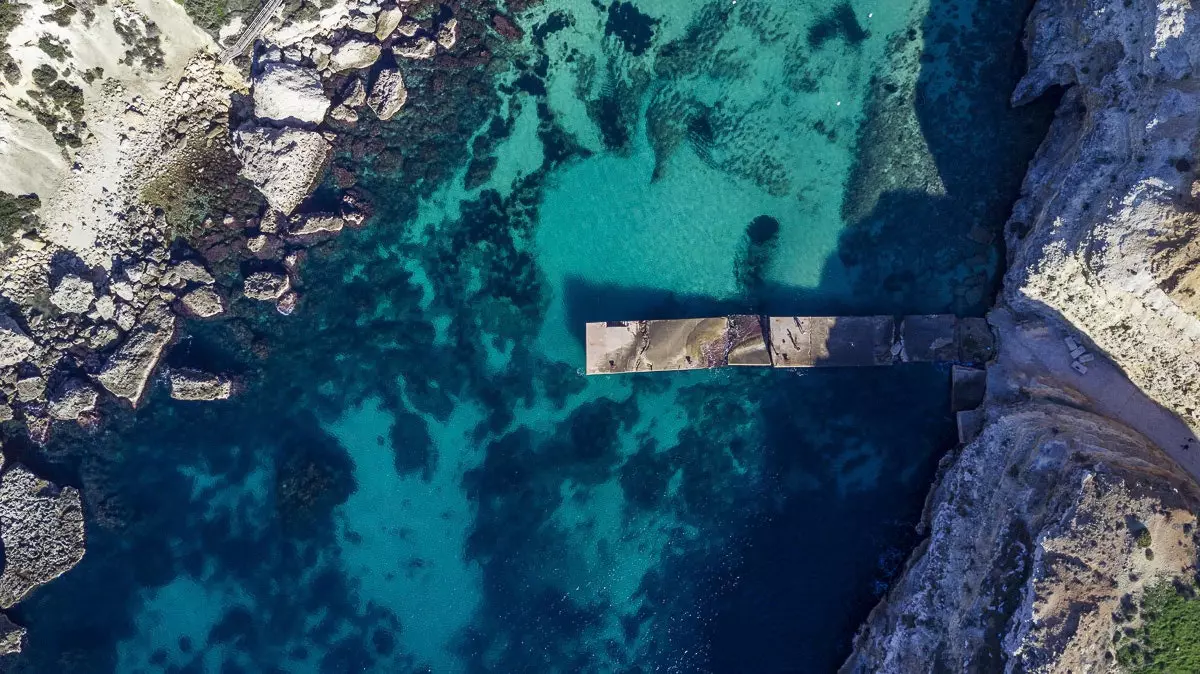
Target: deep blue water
(417, 477)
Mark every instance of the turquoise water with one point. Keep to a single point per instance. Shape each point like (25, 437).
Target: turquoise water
(418, 477)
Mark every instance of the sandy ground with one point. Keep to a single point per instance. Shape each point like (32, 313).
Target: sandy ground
(1037, 350)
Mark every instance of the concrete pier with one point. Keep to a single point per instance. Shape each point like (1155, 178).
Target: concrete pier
(616, 347)
(831, 341)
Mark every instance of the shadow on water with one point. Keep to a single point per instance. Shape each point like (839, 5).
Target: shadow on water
(835, 464)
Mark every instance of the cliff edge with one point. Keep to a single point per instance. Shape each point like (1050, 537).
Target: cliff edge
(1061, 538)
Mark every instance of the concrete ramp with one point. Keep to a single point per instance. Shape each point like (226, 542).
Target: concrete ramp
(832, 341)
(686, 344)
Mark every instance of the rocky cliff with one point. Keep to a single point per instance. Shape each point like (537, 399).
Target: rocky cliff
(1049, 531)
(1106, 236)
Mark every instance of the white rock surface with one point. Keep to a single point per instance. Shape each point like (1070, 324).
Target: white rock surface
(354, 55)
(203, 302)
(284, 164)
(73, 400)
(1105, 236)
(422, 48)
(15, 345)
(73, 295)
(41, 526)
(285, 92)
(189, 384)
(388, 94)
(128, 370)
(266, 286)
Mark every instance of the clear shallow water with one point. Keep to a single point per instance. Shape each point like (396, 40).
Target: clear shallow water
(419, 479)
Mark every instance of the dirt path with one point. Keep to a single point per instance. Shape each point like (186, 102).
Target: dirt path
(1039, 350)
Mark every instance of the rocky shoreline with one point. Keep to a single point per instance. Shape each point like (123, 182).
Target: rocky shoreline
(1042, 516)
(1046, 534)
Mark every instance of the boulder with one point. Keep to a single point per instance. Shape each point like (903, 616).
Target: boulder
(266, 286)
(203, 303)
(188, 384)
(355, 95)
(388, 94)
(354, 55)
(31, 389)
(386, 22)
(283, 92)
(318, 223)
(447, 35)
(15, 345)
(12, 636)
(73, 295)
(284, 164)
(41, 527)
(194, 272)
(129, 368)
(363, 23)
(343, 114)
(422, 48)
(72, 400)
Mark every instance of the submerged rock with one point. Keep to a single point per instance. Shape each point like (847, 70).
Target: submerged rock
(289, 92)
(188, 384)
(266, 286)
(388, 95)
(128, 370)
(194, 272)
(284, 164)
(41, 526)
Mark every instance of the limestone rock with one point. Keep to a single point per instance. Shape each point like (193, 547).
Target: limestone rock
(12, 636)
(266, 286)
(15, 345)
(203, 302)
(283, 91)
(356, 94)
(386, 22)
(188, 384)
(284, 164)
(354, 55)
(194, 272)
(344, 114)
(73, 295)
(72, 400)
(318, 223)
(1031, 549)
(128, 370)
(1104, 238)
(363, 23)
(447, 35)
(287, 304)
(41, 526)
(388, 95)
(423, 48)
(31, 389)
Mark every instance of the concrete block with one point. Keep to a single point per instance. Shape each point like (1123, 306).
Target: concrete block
(976, 343)
(747, 342)
(827, 341)
(968, 386)
(929, 339)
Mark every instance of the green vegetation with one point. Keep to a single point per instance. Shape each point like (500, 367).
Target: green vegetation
(54, 97)
(17, 214)
(1168, 641)
(10, 17)
(1143, 539)
(54, 48)
(145, 43)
